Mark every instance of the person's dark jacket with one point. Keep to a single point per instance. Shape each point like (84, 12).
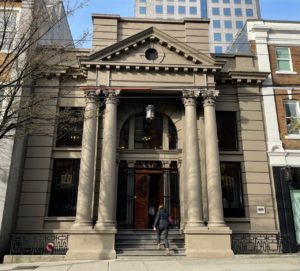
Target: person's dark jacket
(162, 219)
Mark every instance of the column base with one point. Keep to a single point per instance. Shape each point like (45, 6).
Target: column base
(82, 225)
(91, 245)
(204, 242)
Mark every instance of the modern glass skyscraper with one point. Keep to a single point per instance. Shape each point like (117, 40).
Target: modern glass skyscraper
(227, 17)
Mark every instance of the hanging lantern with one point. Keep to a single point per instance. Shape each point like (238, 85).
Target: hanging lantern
(150, 112)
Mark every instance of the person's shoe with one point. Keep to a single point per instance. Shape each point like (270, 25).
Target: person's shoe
(168, 252)
(158, 246)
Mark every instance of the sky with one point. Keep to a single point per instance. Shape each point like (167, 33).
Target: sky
(288, 10)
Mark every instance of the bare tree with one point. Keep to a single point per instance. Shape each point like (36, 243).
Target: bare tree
(34, 38)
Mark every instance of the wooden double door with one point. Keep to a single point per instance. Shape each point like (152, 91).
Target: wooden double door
(149, 193)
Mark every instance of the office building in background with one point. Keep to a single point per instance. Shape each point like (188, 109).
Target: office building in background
(227, 17)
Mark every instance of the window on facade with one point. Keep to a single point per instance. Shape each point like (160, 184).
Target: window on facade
(159, 9)
(142, 1)
(283, 59)
(215, 1)
(63, 197)
(228, 24)
(215, 11)
(216, 24)
(237, 1)
(227, 131)
(228, 37)
(238, 12)
(292, 116)
(143, 10)
(181, 0)
(148, 134)
(239, 24)
(193, 10)
(8, 27)
(232, 192)
(248, 2)
(218, 49)
(170, 9)
(181, 10)
(194, 1)
(249, 12)
(70, 127)
(226, 1)
(217, 37)
(227, 12)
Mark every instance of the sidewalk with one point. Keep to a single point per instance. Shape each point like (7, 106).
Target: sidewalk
(290, 262)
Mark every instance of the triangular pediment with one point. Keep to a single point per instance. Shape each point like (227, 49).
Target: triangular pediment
(132, 51)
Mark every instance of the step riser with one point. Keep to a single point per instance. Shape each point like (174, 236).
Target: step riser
(143, 243)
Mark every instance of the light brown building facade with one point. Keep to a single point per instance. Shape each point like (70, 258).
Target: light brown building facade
(277, 47)
(163, 122)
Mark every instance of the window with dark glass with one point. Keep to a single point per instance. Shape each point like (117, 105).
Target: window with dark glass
(227, 131)
(124, 136)
(70, 127)
(63, 197)
(172, 133)
(232, 194)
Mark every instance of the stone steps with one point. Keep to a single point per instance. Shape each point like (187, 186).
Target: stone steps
(143, 243)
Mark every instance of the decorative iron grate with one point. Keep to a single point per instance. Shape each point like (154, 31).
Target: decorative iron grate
(30, 244)
(256, 243)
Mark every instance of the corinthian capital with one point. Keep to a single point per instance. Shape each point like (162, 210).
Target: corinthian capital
(209, 97)
(92, 94)
(111, 95)
(190, 96)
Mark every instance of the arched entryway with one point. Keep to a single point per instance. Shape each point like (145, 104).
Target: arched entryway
(146, 178)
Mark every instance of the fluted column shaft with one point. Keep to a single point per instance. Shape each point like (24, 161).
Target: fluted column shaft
(192, 171)
(87, 162)
(214, 188)
(108, 181)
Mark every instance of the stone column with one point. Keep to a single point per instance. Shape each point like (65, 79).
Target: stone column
(108, 180)
(192, 161)
(87, 162)
(214, 188)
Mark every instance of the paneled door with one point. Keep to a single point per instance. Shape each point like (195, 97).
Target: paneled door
(142, 181)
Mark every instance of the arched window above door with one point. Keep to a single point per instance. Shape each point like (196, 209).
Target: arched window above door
(139, 133)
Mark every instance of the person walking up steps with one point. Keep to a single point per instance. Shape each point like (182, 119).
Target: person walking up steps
(161, 225)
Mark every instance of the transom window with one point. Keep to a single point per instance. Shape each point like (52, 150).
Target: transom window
(139, 133)
(292, 116)
(283, 58)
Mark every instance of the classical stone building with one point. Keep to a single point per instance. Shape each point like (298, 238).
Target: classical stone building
(277, 47)
(162, 122)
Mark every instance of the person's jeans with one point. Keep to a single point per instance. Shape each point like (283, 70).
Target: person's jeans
(162, 234)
